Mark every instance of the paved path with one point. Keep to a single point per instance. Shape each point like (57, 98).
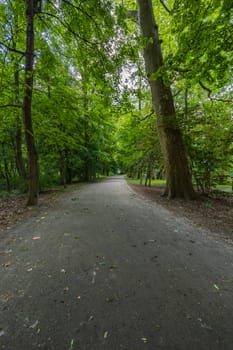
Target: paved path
(106, 269)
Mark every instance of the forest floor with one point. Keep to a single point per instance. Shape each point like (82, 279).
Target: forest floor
(211, 213)
(14, 209)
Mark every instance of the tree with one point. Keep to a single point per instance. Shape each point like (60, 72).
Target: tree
(31, 8)
(178, 176)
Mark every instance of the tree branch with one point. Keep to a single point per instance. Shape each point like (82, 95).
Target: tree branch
(147, 116)
(177, 92)
(165, 6)
(11, 105)
(206, 88)
(67, 26)
(81, 10)
(182, 70)
(11, 49)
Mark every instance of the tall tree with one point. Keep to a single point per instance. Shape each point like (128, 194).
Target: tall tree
(16, 63)
(30, 11)
(178, 176)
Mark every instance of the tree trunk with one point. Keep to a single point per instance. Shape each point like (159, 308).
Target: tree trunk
(18, 135)
(62, 169)
(17, 142)
(27, 105)
(6, 170)
(177, 172)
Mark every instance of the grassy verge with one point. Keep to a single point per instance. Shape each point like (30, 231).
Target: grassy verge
(153, 182)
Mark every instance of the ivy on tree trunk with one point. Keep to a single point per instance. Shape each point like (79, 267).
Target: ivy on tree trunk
(178, 176)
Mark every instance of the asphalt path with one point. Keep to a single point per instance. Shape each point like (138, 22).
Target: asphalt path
(106, 269)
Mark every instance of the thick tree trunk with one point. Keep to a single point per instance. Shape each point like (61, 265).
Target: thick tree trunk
(17, 142)
(27, 105)
(179, 183)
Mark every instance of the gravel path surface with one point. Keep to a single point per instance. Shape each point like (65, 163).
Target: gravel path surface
(106, 269)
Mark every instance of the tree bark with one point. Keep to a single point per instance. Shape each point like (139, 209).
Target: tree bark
(6, 169)
(177, 172)
(17, 142)
(27, 105)
(18, 135)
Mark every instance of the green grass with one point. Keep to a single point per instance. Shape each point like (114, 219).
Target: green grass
(162, 182)
(223, 186)
(153, 182)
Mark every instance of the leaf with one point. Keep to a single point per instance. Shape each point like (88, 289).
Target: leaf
(105, 335)
(34, 324)
(36, 238)
(216, 286)
(71, 344)
(144, 340)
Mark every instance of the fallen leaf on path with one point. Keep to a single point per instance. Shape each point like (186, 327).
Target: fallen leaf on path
(157, 326)
(144, 340)
(35, 238)
(7, 264)
(105, 335)
(29, 270)
(71, 344)
(91, 318)
(63, 270)
(216, 286)
(66, 289)
(94, 276)
(34, 324)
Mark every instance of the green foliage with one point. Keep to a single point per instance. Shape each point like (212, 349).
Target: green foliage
(209, 139)
(203, 33)
(137, 142)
